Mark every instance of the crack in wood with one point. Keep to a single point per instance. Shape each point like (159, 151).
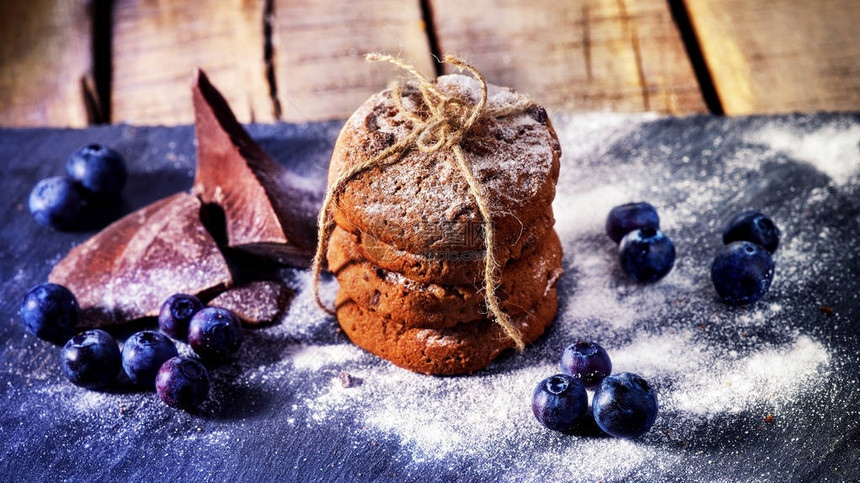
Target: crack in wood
(269, 57)
(97, 88)
(707, 87)
(432, 35)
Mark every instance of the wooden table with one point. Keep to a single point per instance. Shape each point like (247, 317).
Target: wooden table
(80, 62)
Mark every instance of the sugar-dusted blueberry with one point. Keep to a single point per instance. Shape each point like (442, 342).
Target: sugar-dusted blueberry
(559, 402)
(646, 255)
(587, 362)
(99, 170)
(752, 226)
(176, 313)
(50, 311)
(624, 405)
(215, 333)
(55, 202)
(631, 216)
(182, 383)
(742, 273)
(143, 354)
(91, 359)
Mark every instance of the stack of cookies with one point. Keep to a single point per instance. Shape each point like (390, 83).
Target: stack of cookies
(409, 250)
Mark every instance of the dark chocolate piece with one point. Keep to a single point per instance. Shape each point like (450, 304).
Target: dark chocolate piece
(256, 303)
(126, 271)
(268, 210)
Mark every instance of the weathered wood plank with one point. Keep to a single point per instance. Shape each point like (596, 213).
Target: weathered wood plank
(45, 61)
(320, 47)
(621, 55)
(157, 45)
(771, 56)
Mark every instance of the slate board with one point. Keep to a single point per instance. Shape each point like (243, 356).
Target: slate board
(278, 413)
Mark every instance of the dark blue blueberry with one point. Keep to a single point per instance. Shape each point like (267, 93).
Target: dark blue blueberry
(91, 359)
(143, 354)
(742, 273)
(176, 313)
(624, 405)
(560, 402)
(50, 311)
(182, 383)
(587, 362)
(632, 216)
(99, 170)
(55, 202)
(646, 255)
(752, 226)
(215, 333)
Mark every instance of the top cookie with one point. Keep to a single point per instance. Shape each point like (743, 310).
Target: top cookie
(421, 203)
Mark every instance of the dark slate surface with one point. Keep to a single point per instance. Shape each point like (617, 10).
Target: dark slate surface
(269, 417)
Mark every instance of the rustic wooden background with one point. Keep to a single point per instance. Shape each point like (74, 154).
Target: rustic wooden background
(80, 62)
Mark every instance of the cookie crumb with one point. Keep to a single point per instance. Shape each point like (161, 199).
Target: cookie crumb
(826, 310)
(768, 418)
(348, 380)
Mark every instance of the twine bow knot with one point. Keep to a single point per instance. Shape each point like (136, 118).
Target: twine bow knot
(447, 121)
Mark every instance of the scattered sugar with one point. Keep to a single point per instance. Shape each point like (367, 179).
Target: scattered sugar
(657, 331)
(717, 371)
(773, 376)
(586, 211)
(316, 357)
(833, 149)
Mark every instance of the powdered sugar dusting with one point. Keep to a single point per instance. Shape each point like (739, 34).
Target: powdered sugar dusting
(833, 149)
(667, 332)
(719, 372)
(315, 357)
(772, 376)
(513, 157)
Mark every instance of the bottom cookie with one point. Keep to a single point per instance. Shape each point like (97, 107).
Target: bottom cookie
(462, 349)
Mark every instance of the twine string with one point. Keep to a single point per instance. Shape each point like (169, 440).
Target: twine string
(448, 120)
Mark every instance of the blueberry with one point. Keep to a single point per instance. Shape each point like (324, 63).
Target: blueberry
(91, 359)
(55, 202)
(182, 383)
(626, 218)
(50, 311)
(144, 353)
(215, 333)
(752, 226)
(176, 313)
(99, 170)
(742, 273)
(624, 405)
(587, 362)
(646, 255)
(559, 402)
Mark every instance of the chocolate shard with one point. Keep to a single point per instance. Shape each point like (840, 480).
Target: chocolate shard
(256, 303)
(126, 271)
(268, 210)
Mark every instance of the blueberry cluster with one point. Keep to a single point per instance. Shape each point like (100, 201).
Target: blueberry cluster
(743, 270)
(646, 253)
(93, 359)
(94, 175)
(624, 405)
